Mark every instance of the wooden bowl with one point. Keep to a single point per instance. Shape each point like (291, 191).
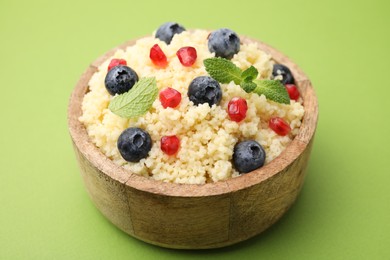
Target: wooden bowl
(194, 216)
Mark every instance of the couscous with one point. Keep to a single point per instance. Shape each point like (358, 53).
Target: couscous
(190, 142)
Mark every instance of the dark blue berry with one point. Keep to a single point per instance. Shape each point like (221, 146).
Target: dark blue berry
(134, 144)
(120, 79)
(166, 31)
(248, 156)
(280, 69)
(224, 42)
(204, 89)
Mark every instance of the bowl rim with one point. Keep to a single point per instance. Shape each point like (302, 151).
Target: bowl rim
(131, 180)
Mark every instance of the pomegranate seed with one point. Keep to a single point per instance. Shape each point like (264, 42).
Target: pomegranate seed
(170, 97)
(279, 126)
(237, 108)
(158, 57)
(116, 62)
(170, 144)
(187, 56)
(292, 91)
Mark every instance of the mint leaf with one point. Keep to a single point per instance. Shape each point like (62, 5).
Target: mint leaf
(137, 101)
(223, 70)
(249, 74)
(273, 90)
(248, 87)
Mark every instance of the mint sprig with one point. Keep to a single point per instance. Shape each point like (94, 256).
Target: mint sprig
(273, 90)
(225, 71)
(248, 87)
(137, 101)
(249, 74)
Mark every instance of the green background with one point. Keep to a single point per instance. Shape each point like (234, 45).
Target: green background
(344, 209)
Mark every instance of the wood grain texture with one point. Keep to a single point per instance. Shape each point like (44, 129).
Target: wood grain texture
(195, 216)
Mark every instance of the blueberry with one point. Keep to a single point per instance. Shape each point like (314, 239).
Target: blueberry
(280, 69)
(248, 156)
(204, 89)
(120, 79)
(134, 144)
(166, 31)
(224, 42)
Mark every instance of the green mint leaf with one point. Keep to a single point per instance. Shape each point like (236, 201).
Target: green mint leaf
(223, 70)
(137, 101)
(273, 90)
(249, 74)
(248, 87)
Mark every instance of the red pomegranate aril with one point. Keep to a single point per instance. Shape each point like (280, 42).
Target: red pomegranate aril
(116, 62)
(187, 56)
(170, 144)
(237, 108)
(279, 126)
(292, 91)
(158, 57)
(170, 97)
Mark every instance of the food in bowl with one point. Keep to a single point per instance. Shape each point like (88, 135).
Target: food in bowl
(192, 106)
(215, 213)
